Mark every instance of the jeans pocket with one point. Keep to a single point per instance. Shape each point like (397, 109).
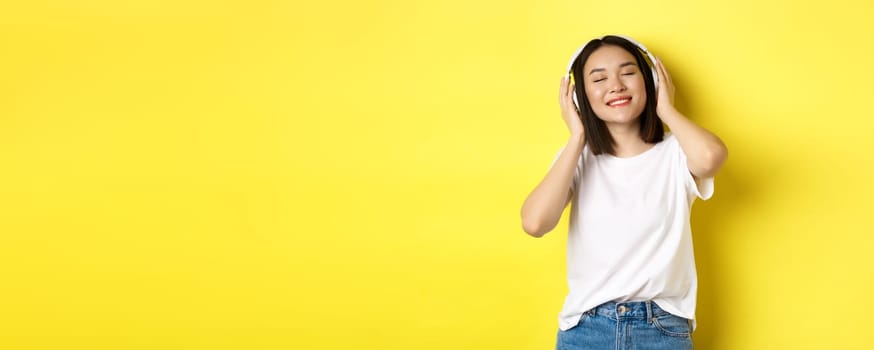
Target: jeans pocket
(671, 325)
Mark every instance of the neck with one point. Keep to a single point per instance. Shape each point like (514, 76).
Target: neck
(627, 139)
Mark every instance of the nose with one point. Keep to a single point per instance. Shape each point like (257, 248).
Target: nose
(617, 85)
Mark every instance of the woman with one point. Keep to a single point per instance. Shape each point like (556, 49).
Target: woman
(631, 269)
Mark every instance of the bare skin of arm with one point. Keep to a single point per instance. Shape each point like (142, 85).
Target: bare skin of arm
(544, 205)
(705, 152)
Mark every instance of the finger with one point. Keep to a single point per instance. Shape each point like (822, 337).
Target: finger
(568, 92)
(570, 88)
(570, 96)
(562, 88)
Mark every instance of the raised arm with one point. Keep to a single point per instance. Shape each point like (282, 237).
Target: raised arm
(705, 152)
(544, 205)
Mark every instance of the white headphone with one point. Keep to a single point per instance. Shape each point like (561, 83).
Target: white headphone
(651, 63)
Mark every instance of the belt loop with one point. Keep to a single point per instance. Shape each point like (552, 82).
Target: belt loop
(648, 311)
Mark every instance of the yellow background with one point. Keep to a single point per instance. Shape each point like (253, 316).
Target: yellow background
(348, 175)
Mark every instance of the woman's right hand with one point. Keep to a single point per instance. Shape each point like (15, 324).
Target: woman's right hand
(568, 109)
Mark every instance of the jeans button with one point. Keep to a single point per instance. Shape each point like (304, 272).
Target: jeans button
(622, 309)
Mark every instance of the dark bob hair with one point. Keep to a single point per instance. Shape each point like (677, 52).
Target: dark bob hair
(597, 135)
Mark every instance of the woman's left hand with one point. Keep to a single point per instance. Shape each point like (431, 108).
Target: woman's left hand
(666, 89)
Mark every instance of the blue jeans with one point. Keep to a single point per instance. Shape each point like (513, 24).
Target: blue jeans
(623, 326)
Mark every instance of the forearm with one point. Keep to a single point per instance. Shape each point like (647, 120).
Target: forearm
(705, 152)
(543, 207)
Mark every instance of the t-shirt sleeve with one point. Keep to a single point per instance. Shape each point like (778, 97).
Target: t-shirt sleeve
(576, 180)
(700, 187)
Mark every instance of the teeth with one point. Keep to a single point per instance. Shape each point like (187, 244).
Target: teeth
(618, 101)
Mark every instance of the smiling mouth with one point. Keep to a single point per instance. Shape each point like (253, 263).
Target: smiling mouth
(619, 102)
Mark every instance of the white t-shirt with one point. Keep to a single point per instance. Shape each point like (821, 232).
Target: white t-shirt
(629, 236)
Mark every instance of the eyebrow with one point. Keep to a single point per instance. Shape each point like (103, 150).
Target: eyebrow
(629, 63)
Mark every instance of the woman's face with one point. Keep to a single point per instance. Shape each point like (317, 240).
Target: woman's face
(614, 85)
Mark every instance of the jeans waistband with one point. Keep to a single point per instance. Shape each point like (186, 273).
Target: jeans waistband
(632, 309)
